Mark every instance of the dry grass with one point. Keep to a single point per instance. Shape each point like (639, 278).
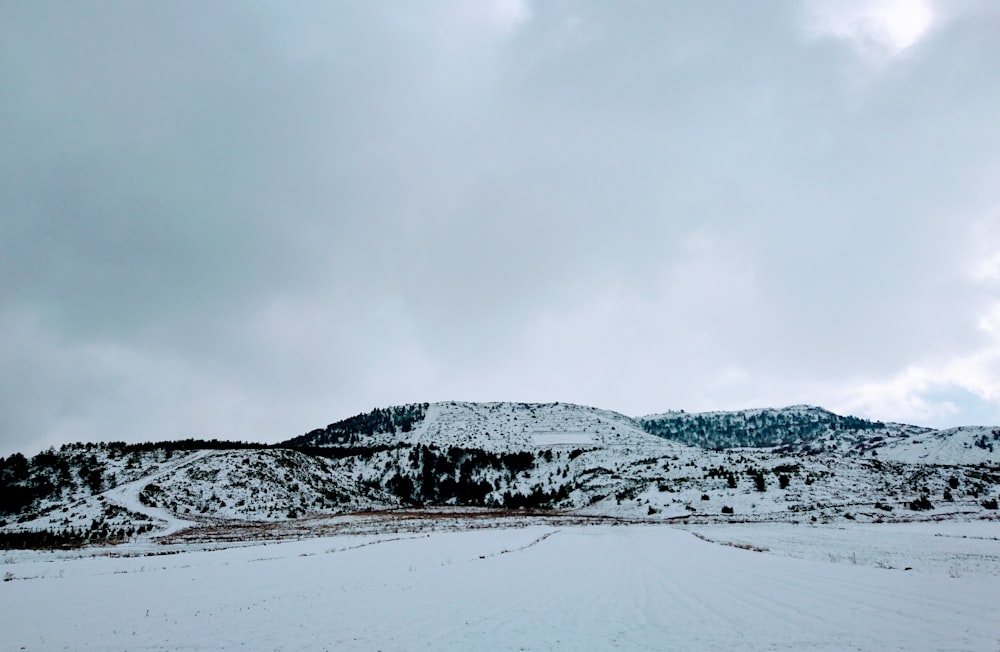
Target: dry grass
(732, 544)
(381, 522)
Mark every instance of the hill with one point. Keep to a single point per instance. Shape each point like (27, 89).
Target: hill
(486, 426)
(810, 430)
(792, 464)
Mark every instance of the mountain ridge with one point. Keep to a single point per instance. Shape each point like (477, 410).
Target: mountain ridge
(816, 466)
(800, 428)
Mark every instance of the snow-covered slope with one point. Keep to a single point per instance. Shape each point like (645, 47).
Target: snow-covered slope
(129, 495)
(963, 445)
(501, 427)
(805, 430)
(798, 428)
(526, 426)
(261, 484)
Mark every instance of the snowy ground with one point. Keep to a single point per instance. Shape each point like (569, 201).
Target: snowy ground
(541, 587)
(955, 549)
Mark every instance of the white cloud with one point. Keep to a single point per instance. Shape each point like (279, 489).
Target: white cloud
(922, 392)
(876, 28)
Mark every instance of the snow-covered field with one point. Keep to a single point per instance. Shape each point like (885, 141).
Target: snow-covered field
(955, 549)
(541, 587)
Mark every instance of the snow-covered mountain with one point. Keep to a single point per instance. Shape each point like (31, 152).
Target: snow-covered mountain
(487, 426)
(794, 464)
(805, 429)
(799, 428)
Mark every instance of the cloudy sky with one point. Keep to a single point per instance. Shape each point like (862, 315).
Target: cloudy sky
(247, 219)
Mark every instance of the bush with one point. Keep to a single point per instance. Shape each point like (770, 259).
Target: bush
(920, 504)
(990, 504)
(726, 509)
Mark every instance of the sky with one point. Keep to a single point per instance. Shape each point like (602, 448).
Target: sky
(247, 219)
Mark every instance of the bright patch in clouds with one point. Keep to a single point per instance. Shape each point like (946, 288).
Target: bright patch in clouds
(508, 14)
(935, 393)
(875, 27)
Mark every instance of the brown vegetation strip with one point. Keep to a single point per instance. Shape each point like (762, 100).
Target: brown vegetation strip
(382, 522)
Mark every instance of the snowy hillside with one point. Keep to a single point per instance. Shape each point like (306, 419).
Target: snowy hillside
(809, 430)
(963, 445)
(799, 428)
(488, 426)
(567, 458)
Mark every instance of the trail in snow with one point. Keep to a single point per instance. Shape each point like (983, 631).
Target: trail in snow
(127, 495)
(608, 587)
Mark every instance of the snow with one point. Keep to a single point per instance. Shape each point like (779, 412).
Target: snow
(292, 551)
(541, 587)
(798, 410)
(951, 548)
(548, 439)
(951, 446)
(127, 495)
(523, 426)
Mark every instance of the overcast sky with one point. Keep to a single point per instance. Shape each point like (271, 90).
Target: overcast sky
(248, 219)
